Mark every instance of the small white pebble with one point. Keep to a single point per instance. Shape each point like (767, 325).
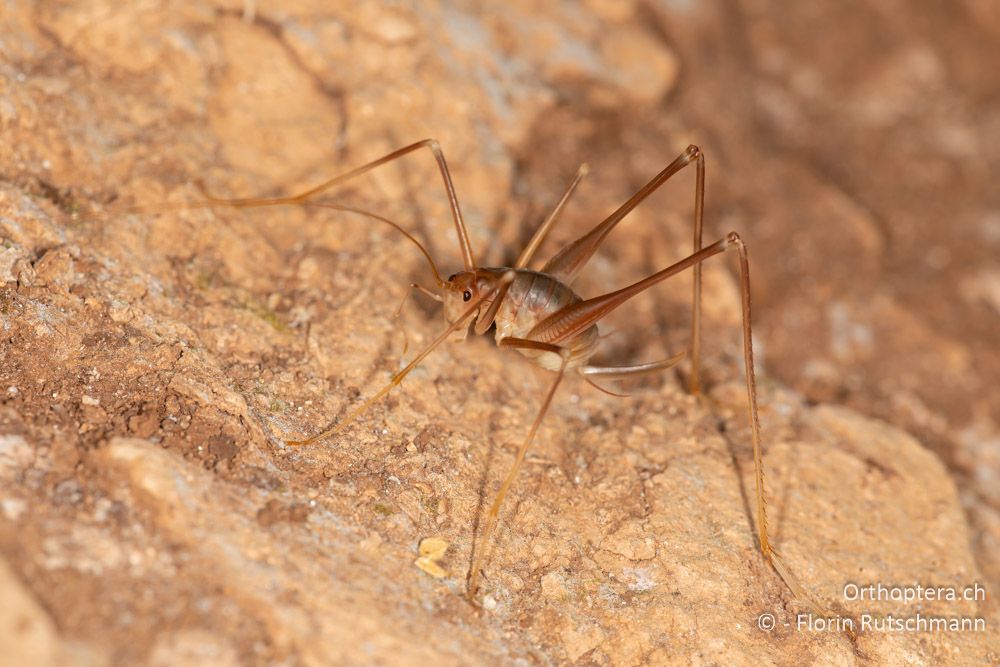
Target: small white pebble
(13, 508)
(489, 604)
(12, 390)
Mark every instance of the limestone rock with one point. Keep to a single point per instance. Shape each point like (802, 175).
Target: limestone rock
(152, 363)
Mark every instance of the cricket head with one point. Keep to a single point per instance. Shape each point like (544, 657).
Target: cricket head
(469, 289)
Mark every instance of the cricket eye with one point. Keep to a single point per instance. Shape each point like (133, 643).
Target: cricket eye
(466, 295)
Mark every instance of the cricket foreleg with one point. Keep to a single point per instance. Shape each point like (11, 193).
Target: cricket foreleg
(397, 379)
(306, 195)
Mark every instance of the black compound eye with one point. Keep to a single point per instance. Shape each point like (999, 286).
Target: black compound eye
(466, 295)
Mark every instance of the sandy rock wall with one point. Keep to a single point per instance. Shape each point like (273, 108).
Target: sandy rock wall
(152, 364)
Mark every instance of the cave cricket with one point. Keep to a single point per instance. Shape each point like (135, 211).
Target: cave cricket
(539, 315)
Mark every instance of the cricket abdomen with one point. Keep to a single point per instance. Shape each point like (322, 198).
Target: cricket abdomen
(531, 298)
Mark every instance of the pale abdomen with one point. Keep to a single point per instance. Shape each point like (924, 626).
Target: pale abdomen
(532, 297)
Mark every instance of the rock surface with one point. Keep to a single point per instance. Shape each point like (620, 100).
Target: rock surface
(152, 364)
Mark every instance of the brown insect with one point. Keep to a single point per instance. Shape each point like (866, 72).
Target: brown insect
(538, 314)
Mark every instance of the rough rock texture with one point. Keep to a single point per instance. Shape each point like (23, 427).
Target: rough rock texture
(149, 512)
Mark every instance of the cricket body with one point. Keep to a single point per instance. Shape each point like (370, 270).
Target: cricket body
(539, 315)
(531, 297)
